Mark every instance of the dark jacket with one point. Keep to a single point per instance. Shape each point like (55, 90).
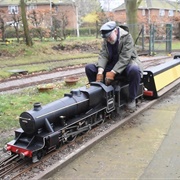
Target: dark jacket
(126, 51)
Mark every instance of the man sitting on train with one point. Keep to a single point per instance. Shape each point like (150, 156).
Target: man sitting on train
(117, 57)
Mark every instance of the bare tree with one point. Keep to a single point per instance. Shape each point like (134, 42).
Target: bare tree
(176, 19)
(36, 18)
(64, 23)
(60, 22)
(16, 21)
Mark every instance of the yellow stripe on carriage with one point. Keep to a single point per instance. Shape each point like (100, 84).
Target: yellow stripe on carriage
(167, 77)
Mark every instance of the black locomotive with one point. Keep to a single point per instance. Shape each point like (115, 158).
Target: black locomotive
(45, 128)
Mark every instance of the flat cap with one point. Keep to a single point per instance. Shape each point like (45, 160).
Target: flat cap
(107, 28)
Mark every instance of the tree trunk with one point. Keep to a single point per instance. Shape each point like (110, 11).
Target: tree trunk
(2, 29)
(25, 24)
(97, 29)
(17, 33)
(131, 16)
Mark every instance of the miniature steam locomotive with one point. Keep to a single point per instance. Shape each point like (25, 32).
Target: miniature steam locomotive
(45, 128)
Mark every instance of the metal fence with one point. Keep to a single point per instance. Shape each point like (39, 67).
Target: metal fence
(155, 38)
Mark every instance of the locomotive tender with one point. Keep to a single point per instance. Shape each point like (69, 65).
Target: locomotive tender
(45, 128)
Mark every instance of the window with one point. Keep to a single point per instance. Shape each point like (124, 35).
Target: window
(13, 9)
(143, 12)
(31, 7)
(171, 13)
(161, 12)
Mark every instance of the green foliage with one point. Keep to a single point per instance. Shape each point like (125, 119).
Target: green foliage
(88, 31)
(40, 33)
(10, 33)
(46, 34)
(83, 31)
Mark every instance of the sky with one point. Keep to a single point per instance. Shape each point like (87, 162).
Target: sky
(111, 4)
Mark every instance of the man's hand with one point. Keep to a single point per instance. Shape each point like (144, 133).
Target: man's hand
(109, 78)
(99, 78)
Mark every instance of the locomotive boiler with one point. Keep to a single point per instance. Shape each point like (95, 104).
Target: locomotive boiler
(59, 112)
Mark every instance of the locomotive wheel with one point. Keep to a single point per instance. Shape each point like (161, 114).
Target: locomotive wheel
(71, 138)
(38, 155)
(59, 145)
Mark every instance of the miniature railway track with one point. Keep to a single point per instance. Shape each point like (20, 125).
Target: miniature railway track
(44, 62)
(26, 83)
(9, 164)
(13, 167)
(153, 62)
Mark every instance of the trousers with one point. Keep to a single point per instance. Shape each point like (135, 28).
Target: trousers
(131, 72)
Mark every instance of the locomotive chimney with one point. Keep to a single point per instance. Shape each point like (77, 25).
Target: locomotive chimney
(37, 106)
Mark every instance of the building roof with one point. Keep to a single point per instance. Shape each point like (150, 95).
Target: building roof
(153, 4)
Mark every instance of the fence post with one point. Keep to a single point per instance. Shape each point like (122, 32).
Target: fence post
(168, 38)
(151, 40)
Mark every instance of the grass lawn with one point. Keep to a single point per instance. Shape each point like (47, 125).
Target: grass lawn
(45, 56)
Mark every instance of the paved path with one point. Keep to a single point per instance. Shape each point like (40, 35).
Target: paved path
(37, 79)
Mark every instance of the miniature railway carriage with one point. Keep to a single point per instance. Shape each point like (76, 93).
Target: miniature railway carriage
(45, 128)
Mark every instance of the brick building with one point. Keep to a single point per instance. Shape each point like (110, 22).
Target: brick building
(151, 12)
(54, 7)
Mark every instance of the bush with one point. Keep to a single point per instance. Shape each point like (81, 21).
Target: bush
(10, 33)
(84, 31)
